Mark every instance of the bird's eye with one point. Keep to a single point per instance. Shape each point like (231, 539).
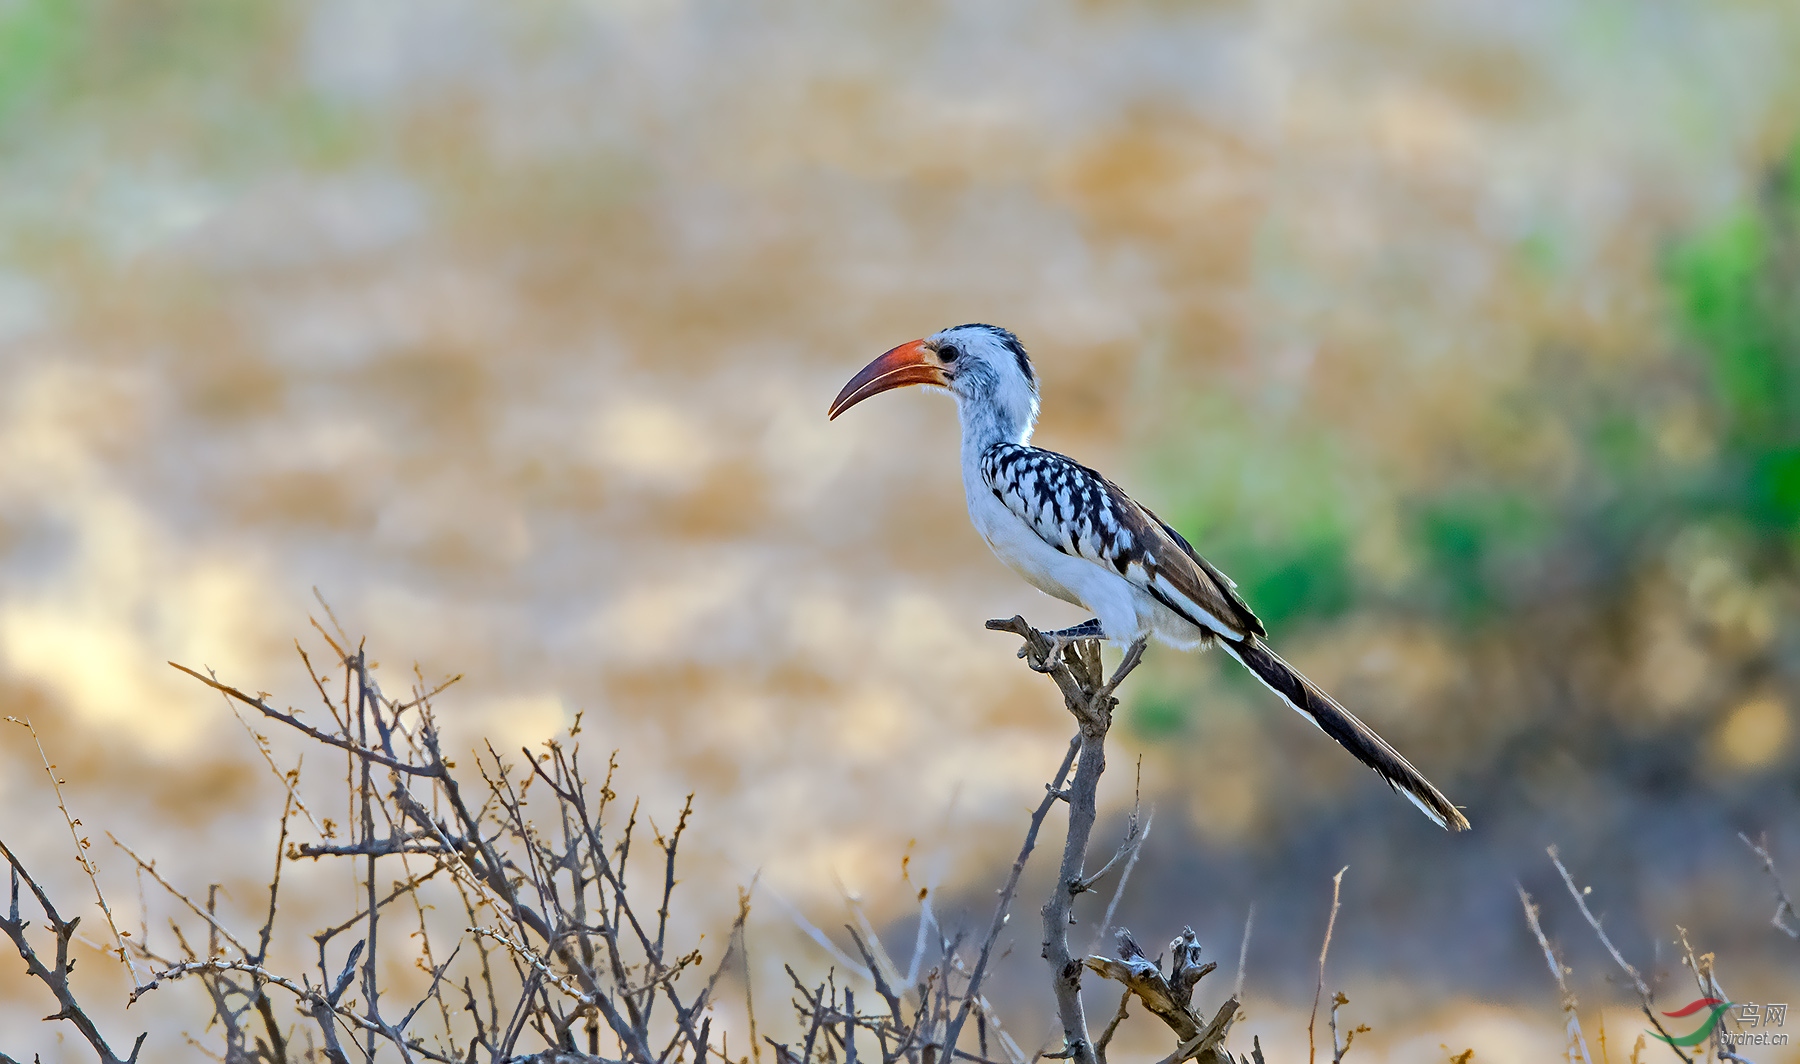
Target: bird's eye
(948, 353)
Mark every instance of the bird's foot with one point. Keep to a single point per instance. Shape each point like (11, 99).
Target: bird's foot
(1062, 638)
(1058, 641)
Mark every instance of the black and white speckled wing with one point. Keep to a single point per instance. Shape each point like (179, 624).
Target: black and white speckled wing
(1081, 513)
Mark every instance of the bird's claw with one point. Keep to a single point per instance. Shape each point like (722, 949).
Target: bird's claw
(1053, 654)
(1058, 641)
(1045, 664)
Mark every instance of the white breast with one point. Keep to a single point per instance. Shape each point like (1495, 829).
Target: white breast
(1067, 577)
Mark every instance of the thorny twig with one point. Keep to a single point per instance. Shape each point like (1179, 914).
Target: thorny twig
(81, 848)
(1337, 884)
(560, 950)
(1001, 910)
(1136, 834)
(55, 974)
(1646, 998)
(1237, 986)
(1577, 1043)
(1783, 906)
(1339, 1049)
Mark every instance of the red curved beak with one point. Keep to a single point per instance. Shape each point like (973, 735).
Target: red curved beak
(910, 363)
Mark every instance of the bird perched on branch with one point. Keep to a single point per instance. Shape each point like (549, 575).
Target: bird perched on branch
(1076, 536)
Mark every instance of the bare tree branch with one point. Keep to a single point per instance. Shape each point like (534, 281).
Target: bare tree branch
(1087, 694)
(1337, 884)
(54, 975)
(1646, 997)
(1001, 909)
(81, 848)
(1577, 1043)
(1783, 906)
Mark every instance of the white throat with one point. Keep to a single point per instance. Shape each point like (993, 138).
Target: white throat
(986, 422)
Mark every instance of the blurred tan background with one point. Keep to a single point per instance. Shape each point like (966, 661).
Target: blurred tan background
(1461, 334)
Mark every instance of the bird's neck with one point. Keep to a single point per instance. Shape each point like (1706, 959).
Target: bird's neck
(985, 424)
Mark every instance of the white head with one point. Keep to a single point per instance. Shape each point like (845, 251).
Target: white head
(983, 366)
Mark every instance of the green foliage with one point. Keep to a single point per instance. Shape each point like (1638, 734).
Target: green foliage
(1275, 507)
(1283, 515)
(1157, 714)
(1716, 278)
(209, 81)
(37, 38)
(1306, 575)
(1738, 287)
(1467, 539)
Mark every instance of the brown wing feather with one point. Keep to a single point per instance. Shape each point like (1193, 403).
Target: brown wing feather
(1226, 586)
(1170, 557)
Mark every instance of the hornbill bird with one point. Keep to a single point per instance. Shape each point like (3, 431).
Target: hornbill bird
(1076, 536)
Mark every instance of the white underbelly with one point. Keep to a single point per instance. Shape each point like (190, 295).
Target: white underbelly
(1024, 552)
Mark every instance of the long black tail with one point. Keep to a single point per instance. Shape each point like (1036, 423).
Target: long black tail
(1353, 735)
